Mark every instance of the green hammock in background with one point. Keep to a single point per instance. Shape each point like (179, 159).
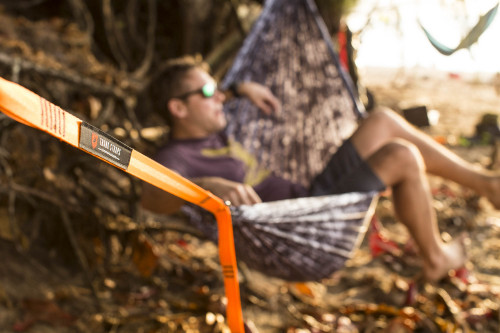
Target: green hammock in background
(471, 38)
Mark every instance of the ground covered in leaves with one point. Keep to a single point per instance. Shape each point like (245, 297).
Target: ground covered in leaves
(157, 279)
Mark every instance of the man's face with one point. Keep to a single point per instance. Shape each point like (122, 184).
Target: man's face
(204, 115)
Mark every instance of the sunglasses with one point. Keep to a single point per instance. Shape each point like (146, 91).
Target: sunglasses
(207, 91)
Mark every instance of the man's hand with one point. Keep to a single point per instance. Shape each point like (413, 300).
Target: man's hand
(237, 193)
(261, 96)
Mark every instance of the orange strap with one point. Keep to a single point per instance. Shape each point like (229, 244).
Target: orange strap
(28, 108)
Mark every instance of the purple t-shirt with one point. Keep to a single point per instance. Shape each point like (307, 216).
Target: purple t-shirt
(216, 156)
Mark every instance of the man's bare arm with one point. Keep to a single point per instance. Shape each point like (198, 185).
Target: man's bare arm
(159, 201)
(258, 94)
(261, 96)
(237, 193)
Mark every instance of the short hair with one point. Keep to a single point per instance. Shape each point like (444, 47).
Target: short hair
(169, 82)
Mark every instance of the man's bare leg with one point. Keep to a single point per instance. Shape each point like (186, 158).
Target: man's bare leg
(385, 125)
(401, 167)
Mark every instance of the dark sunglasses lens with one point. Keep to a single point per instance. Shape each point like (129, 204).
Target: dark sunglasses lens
(209, 89)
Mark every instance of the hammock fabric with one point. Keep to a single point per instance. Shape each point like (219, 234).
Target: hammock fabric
(471, 38)
(304, 239)
(301, 239)
(290, 51)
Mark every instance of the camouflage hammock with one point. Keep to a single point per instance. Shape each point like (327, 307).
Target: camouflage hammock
(290, 51)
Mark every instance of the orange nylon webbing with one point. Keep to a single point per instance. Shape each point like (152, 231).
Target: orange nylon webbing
(30, 109)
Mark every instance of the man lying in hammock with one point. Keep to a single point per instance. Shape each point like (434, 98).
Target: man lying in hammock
(385, 151)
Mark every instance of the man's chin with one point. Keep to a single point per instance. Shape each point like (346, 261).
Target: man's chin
(218, 128)
(222, 124)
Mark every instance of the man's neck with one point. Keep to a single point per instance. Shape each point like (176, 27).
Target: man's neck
(182, 134)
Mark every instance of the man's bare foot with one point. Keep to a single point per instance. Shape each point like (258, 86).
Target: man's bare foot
(453, 256)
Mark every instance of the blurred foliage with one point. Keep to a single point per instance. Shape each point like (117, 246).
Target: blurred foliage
(332, 12)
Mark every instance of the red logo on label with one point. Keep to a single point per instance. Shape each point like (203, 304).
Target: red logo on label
(94, 140)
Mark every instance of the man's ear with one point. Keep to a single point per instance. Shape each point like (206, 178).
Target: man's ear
(177, 108)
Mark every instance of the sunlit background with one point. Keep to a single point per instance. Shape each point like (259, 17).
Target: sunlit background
(393, 38)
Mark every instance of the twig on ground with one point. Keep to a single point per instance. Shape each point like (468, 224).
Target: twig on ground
(79, 254)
